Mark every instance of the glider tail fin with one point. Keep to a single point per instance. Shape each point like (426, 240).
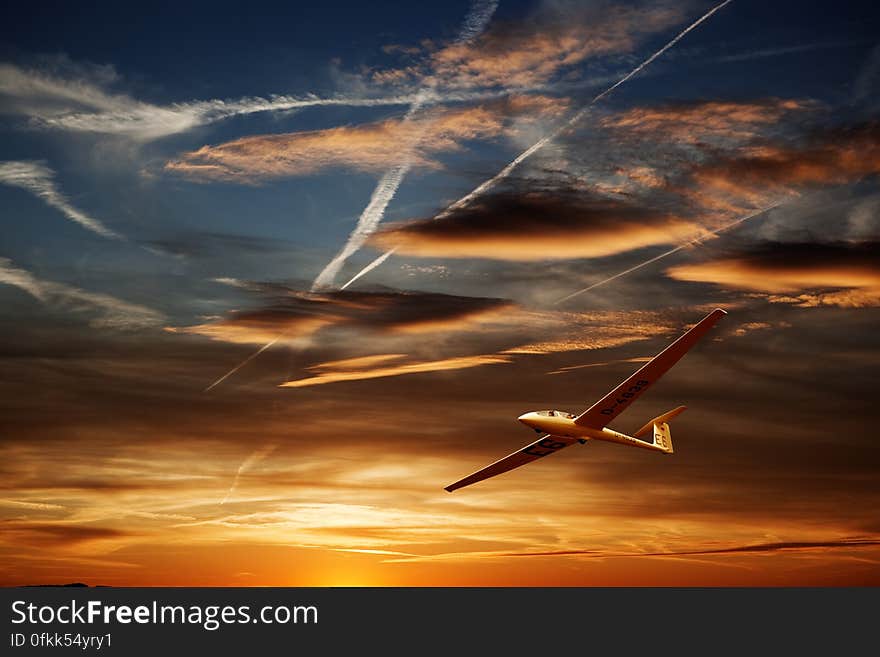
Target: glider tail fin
(663, 438)
(659, 427)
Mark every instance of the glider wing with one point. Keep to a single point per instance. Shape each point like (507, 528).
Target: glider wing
(544, 446)
(600, 414)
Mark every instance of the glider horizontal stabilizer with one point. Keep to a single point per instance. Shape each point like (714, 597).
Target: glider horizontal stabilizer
(660, 419)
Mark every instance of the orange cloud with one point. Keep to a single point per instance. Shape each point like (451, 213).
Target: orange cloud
(697, 122)
(537, 50)
(689, 149)
(565, 331)
(257, 327)
(330, 373)
(769, 170)
(837, 156)
(570, 331)
(361, 362)
(805, 275)
(468, 320)
(748, 327)
(367, 147)
(536, 226)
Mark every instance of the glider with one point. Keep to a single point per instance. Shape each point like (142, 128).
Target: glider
(560, 429)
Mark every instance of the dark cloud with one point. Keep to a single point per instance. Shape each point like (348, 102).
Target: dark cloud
(299, 314)
(57, 535)
(808, 256)
(550, 224)
(805, 274)
(804, 546)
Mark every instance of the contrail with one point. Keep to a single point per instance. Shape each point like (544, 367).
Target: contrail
(112, 312)
(249, 462)
(243, 363)
(375, 210)
(370, 267)
(39, 180)
(538, 145)
(474, 23)
(476, 20)
(676, 249)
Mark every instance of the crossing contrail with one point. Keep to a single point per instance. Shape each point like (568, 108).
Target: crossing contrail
(538, 145)
(474, 23)
(372, 215)
(676, 249)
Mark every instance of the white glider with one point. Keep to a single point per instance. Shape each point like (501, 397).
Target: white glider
(561, 429)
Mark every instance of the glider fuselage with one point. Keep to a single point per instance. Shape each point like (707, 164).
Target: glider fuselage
(560, 423)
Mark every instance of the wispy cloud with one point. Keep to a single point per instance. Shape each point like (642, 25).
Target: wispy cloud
(252, 459)
(78, 101)
(332, 374)
(708, 124)
(365, 147)
(807, 546)
(762, 53)
(555, 39)
(36, 506)
(569, 331)
(111, 312)
(832, 156)
(753, 548)
(39, 180)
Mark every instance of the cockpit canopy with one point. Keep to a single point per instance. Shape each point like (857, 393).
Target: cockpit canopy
(564, 414)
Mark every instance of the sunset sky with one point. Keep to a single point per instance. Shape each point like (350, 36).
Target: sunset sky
(189, 397)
